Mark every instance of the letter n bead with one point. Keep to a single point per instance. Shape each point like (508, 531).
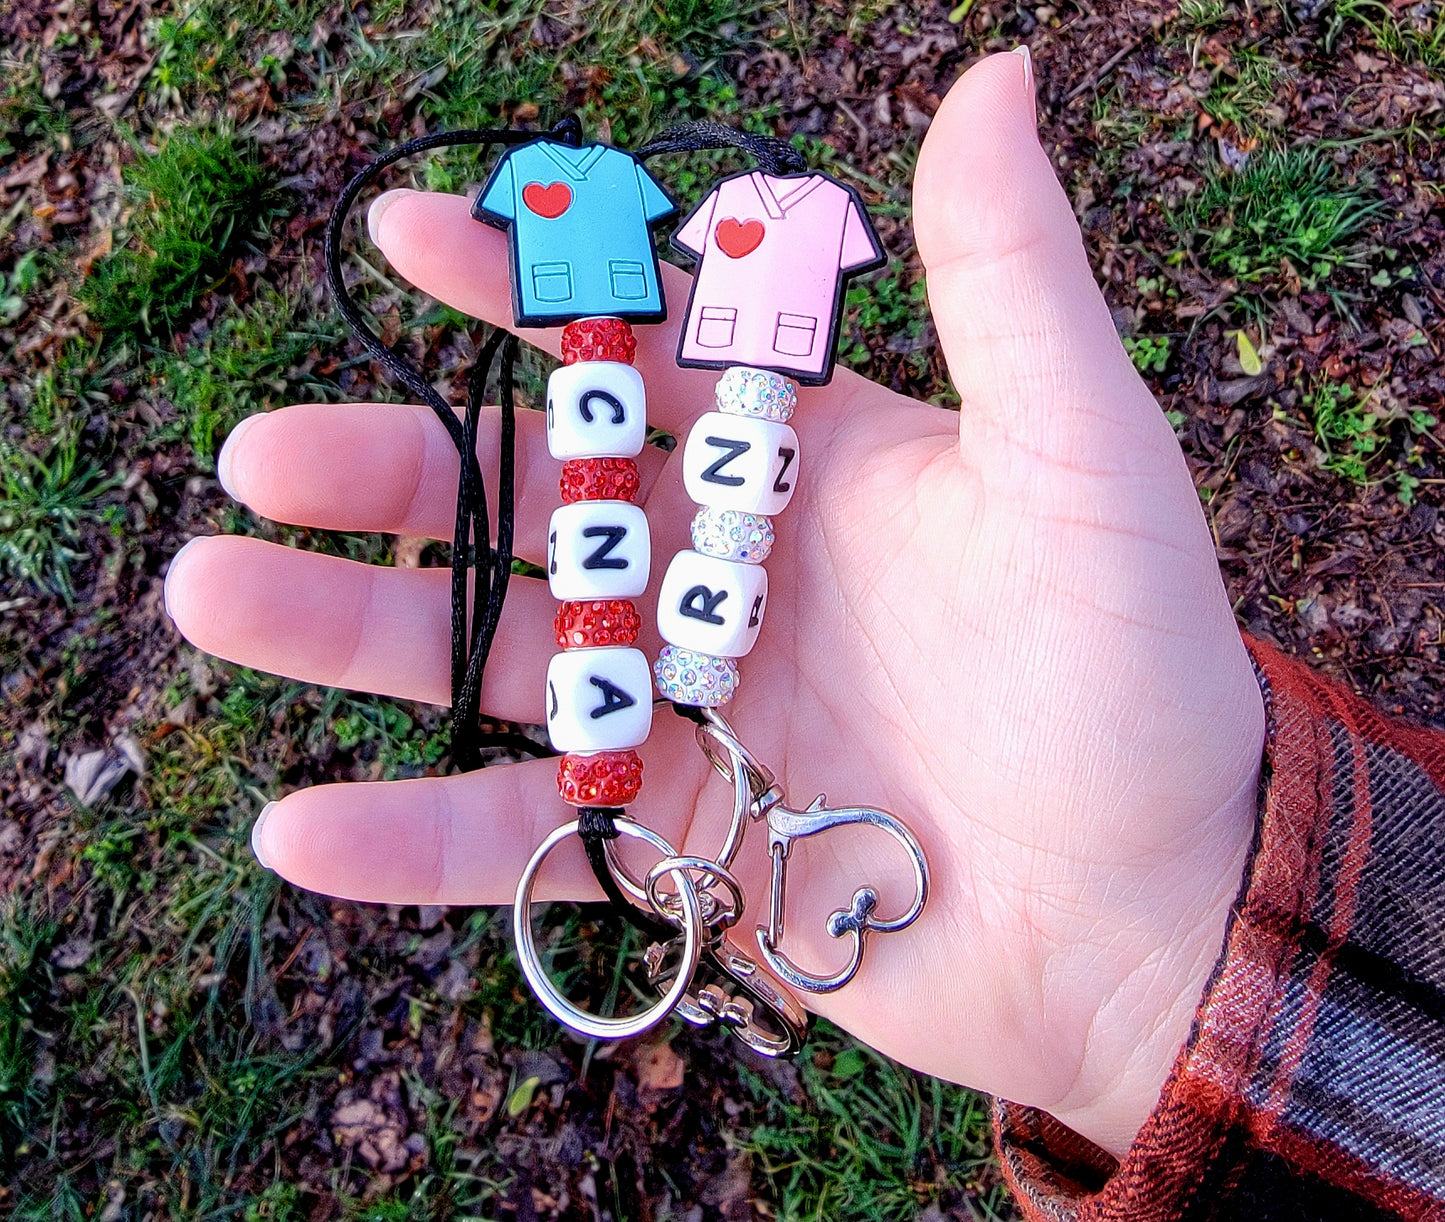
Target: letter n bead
(738, 462)
(712, 606)
(598, 549)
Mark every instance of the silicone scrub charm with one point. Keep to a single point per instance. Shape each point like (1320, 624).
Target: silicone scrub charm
(773, 254)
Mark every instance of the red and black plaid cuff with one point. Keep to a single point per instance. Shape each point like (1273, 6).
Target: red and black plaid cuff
(1312, 1082)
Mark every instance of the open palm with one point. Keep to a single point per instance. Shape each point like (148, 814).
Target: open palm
(1004, 625)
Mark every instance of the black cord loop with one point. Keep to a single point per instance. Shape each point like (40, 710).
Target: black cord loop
(471, 540)
(773, 156)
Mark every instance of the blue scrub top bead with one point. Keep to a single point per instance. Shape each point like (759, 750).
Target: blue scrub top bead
(580, 223)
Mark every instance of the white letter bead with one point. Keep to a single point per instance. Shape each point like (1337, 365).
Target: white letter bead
(756, 392)
(596, 409)
(598, 549)
(738, 462)
(712, 606)
(598, 699)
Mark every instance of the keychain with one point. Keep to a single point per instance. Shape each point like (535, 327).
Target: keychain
(773, 250)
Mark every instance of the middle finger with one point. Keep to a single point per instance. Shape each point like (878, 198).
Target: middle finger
(389, 467)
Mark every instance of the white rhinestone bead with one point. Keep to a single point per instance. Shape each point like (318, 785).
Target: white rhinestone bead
(731, 534)
(756, 392)
(697, 679)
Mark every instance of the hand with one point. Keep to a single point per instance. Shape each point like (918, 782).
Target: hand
(1005, 625)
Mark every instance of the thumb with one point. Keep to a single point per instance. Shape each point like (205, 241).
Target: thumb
(1029, 341)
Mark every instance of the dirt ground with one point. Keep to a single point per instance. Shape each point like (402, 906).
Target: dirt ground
(180, 1035)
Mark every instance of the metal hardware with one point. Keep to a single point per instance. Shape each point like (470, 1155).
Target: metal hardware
(708, 899)
(570, 1015)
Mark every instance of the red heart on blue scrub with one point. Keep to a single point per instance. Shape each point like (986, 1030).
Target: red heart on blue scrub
(550, 201)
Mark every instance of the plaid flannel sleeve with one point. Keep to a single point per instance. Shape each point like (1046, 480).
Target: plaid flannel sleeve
(1312, 1085)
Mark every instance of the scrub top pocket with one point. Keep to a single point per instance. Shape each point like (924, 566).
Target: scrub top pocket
(629, 279)
(795, 334)
(715, 326)
(552, 282)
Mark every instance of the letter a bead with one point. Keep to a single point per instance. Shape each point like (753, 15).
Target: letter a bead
(712, 606)
(737, 462)
(598, 699)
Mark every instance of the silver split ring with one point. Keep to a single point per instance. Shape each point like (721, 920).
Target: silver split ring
(574, 1017)
(666, 905)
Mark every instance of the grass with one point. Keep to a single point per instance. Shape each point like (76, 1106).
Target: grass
(46, 501)
(1354, 431)
(1286, 212)
(1246, 94)
(1416, 36)
(865, 1139)
(195, 203)
(248, 361)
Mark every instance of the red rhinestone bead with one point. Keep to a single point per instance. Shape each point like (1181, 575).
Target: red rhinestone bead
(598, 339)
(596, 622)
(608, 778)
(599, 479)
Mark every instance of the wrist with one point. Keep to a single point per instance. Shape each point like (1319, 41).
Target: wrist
(1163, 965)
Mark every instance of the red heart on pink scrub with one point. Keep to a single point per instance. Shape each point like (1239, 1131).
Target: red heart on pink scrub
(737, 238)
(550, 201)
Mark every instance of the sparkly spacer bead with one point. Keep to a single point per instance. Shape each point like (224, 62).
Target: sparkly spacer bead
(731, 534)
(596, 622)
(756, 392)
(598, 339)
(698, 679)
(607, 778)
(599, 479)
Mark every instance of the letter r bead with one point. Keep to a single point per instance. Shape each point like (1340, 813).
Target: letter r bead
(710, 605)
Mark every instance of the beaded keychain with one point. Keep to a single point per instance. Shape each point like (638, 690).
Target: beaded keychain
(773, 249)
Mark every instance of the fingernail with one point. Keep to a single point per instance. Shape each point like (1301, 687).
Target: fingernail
(170, 572)
(378, 206)
(257, 830)
(226, 463)
(1022, 51)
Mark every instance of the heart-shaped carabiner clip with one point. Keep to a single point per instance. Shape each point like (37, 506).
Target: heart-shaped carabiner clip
(855, 922)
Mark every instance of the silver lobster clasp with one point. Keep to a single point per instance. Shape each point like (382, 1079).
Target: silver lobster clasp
(856, 922)
(763, 798)
(741, 998)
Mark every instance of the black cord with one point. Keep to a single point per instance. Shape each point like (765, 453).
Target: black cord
(471, 540)
(773, 156)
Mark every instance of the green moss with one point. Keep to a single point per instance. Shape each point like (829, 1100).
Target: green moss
(196, 202)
